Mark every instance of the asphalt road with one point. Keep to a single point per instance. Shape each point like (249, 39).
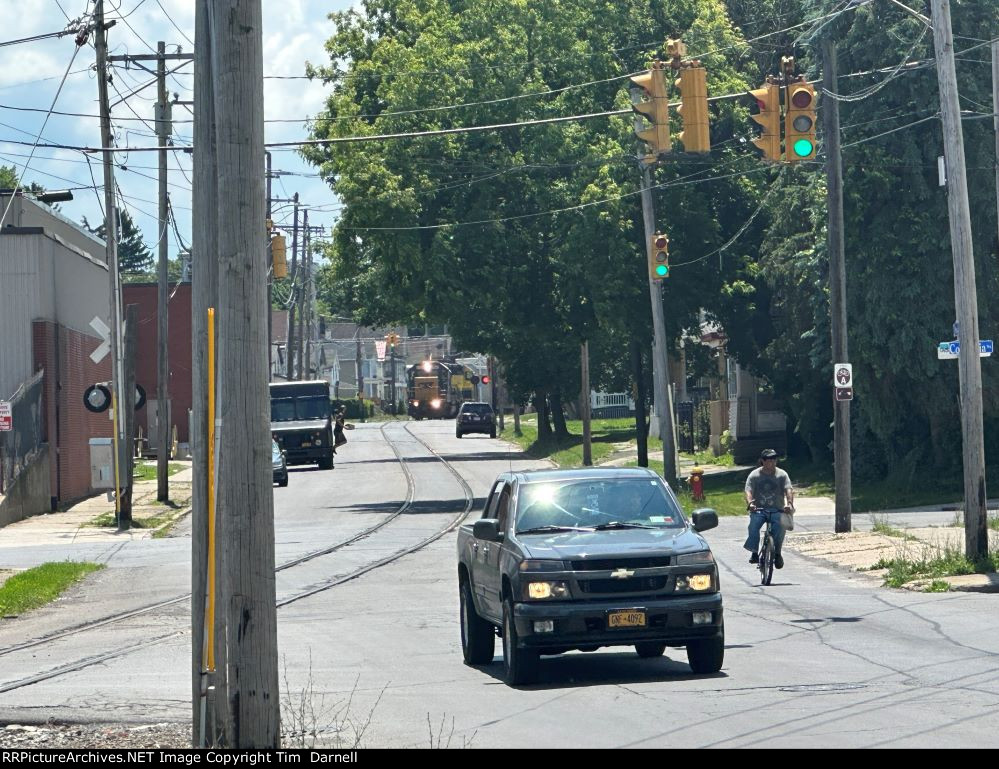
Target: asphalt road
(821, 658)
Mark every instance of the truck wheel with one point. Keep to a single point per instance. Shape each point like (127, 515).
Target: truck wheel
(457, 434)
(326, 463)
(478, 636)
(649, 649)
(707, 655)
(492, 433)
(283, 482)
(520, 666)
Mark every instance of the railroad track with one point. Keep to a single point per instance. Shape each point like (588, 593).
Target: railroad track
(450, 525)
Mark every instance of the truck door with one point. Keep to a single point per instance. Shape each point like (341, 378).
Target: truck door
(479, 549)
(492, 581)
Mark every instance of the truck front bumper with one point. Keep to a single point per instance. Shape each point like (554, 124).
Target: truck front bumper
(579, 624)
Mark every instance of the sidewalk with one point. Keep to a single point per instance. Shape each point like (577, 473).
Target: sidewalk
(76, 523)
(862, 548)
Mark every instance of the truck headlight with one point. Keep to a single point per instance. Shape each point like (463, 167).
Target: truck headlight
(695, 559)
(539, 591)
(694, 582)
(435, 403)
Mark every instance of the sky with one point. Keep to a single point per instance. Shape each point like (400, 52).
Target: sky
(31, 82)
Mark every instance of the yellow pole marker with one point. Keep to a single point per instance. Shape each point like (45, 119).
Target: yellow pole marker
(209, 654)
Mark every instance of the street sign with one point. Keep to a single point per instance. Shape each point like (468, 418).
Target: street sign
(844, 393)
(380, 345)
(951, 350)
(843, 376)
(104, 332)
(6, 417)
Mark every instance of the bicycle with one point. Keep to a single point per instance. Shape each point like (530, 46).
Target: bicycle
(768, 548)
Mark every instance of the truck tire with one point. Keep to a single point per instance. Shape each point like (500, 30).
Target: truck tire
(492, 433)
(520, 666)
(326, 463)
(478, 637)
(707, 655)
(649, 649)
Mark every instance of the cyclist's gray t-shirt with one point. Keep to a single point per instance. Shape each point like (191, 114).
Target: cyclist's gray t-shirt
(768, 490)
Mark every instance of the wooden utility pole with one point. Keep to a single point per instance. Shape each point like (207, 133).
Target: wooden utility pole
(270, 276)
(162, 308)
(660, 362)
(584, 402)
(837, 281)
(302, 289)
(204, 286)
(245, 499)
(294, 296)
(965, 290)
(307, 314)
(995, 118)
(641, 428)
(111, 251)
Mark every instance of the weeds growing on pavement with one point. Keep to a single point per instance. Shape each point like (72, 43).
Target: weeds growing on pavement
(310, 719)
(440, 740)
(949, 563)
(880, 525)
(38, 586)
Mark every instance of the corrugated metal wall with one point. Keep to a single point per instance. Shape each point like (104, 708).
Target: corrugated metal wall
(22, 265)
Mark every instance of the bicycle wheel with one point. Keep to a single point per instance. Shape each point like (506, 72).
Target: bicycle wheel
(767, 560)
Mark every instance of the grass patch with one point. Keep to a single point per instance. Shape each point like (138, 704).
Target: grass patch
(38, 586)
(881, 526)
(723, 492)
(568, 451)
(707, 457)
(950, 563)
(146, 471)
(938, 586)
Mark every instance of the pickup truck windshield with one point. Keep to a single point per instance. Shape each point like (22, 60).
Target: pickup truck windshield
(587, 503)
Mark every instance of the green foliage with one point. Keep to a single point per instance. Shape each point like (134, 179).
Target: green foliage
(134, 257)
(949, 563)
(40, 585)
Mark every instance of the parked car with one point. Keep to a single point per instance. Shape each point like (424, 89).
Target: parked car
(579, 559)
(279, 464)
(475, 418)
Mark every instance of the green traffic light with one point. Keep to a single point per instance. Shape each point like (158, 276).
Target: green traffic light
(662, 270)
(803, 148)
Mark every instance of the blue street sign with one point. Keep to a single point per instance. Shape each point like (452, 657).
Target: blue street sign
(952, 349)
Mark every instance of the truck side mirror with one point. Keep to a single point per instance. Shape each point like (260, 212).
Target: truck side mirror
(704, 518)
(487, 529)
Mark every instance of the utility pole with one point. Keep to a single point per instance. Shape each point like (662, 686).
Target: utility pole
(837, 282)
(307, 319)
(584, 402)
(294, 295)
(245, 499)
(270, 276)
(965, 290)
(660, 363)
(111, 251)
(131, 339)
(360, 372)
(208, 684)
(162, 309)
(995, 117)
(302, 294)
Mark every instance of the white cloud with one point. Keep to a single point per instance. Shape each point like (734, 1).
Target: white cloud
(295, 31)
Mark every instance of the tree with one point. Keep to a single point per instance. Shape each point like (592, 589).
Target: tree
(134, 256)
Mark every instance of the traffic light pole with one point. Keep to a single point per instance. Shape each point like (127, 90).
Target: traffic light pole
(965, 290)
(660, 363)
(837, 283)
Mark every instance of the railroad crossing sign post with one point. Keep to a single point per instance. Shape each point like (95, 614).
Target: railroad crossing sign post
(843, 381)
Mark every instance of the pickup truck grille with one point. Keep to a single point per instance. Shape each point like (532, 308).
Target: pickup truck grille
(632, 585)
(610, 564)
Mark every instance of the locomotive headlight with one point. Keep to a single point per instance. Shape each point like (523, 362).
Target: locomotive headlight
(435, 403)
(416, 403)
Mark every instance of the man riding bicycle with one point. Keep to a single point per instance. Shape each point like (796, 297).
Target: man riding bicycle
(767, 488)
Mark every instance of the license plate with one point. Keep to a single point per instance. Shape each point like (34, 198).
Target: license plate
(626, 619)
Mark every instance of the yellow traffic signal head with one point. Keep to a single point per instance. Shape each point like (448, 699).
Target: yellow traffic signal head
(659, 257)
(694, 109)
(768, 100)
(279, 256)
(655, 110)
(799, 122)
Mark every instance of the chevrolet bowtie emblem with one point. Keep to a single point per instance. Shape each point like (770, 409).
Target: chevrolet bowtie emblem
(622, 574)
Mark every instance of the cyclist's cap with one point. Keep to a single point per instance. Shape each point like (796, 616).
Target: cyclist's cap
(768, 454)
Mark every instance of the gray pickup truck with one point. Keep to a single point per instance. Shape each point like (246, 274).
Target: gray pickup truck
(579, 559)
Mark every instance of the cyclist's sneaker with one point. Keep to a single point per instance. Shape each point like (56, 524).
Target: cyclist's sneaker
(754, 558)
(779, 561)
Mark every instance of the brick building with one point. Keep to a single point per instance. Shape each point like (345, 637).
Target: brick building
(53, 282)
